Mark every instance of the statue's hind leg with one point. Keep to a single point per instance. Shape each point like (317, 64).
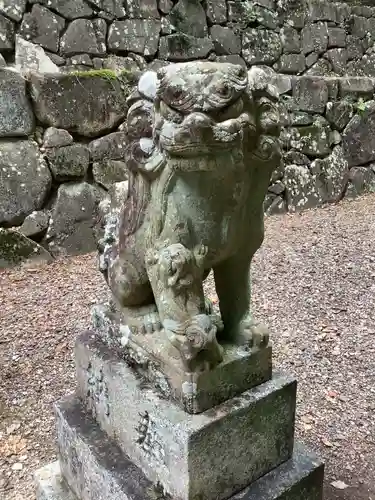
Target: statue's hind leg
(133, 294)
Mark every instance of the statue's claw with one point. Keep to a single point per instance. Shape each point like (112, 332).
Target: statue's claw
(253, 334)
(150, 323)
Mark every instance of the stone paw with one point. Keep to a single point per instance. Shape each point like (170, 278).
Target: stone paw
(147, 323)
(253, 334)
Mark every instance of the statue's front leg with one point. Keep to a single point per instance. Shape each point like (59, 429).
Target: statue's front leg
(232, 280)
(176, 275)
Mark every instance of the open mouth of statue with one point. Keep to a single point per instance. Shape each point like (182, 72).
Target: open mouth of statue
(199, 133)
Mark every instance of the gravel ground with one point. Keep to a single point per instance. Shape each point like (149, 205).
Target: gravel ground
(313, 284)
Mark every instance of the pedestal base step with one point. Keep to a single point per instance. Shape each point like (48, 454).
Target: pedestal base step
(300, 478)
(218, 452)
(94, 467)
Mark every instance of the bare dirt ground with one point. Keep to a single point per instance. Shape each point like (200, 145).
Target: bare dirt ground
(313, 284)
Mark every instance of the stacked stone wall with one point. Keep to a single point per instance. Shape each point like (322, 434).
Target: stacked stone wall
(294, 37)
(68, 67)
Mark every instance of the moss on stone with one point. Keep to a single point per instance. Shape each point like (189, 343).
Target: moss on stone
(107, 74)
(360, 106)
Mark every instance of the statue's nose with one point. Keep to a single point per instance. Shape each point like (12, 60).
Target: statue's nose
(198, 119)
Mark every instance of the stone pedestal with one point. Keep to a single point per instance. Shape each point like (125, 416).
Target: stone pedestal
(126, 433)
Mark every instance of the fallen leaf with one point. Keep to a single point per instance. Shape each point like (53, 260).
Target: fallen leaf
(17, 466)
(339, 485)
(307, 418)
(307, 427)
(13, 446)
(332, 394)
(13, 427)
(61, 347)
(327, 443)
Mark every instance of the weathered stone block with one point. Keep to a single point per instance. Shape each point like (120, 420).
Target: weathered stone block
(115, 8)
(314, 38)
(135, 35)
(290, 39)
(42, 27)
(72, 219)
(364, 67)
(311, 59)
(109, 147)
(361, 180)
(30, 57)
(261, 46)
(338, 59)
(296, 18)
(363, 10)
(16, 115)
(233, 59)
(301, 188)
(96, 468)
(274, 204)
(68, 162)
(87, 105)
(70, 9)
(35, 224)
(300, 477)
(323, 11)
(56, 138)
(120, 63)
(321, 68)
(356, 87)
(332, 174)
(355, 47)
(339, 113)
(16, 249)
(336, 37)
(225, 40)
(283, 83)
(25, 181)
(7, 34)
(299, 118)
(50, 485)
(14, 9)
(297, 479)
(189, 17)
(143, 9)
(108, 172)
(240, 370)
(84, 36)
(180, 450)
(291, 64)
(217, 11)
(312, 140)
(310, 94)
(359, 26)
(248, 12)
(359, 137)
(118, 479)
(181, 47)
(296, 158)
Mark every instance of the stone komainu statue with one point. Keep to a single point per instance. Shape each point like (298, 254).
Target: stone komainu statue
(202, 145)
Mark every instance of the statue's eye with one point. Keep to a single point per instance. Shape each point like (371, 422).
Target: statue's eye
(242, 72)
(177, 94)
(225, 91)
